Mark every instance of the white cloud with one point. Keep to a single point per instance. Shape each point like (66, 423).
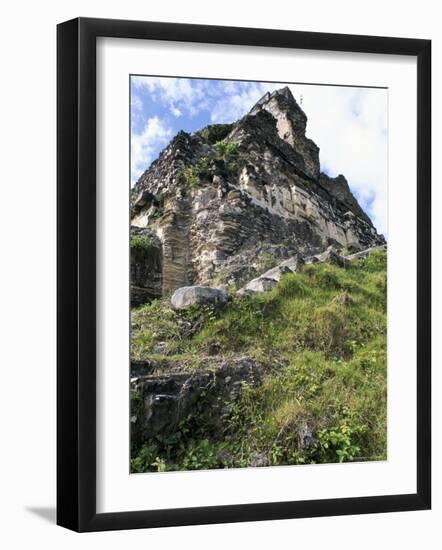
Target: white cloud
(176, 112)
(180, 94)
(350, 127)
(144, 145)
(238, 98)
(225, 100)
(136, 103)
(136, 108)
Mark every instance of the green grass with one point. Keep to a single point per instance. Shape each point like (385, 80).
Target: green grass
(140, 244)
(342, 402)
(324, 330)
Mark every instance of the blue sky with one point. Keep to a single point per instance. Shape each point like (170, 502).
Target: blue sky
(348, 124)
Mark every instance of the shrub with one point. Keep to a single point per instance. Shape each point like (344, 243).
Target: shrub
(203, 167)
(141, 244)
(200, 455)
(190, 176)
(339, 442)
(225, 150)
(227, 153)
(145, 459)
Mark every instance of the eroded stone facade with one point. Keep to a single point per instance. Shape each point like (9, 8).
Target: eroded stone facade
(212, 213)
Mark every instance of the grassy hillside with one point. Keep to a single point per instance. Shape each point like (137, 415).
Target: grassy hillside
(323, 334)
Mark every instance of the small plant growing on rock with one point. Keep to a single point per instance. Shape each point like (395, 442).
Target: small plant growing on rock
(156, 214)
(141, 244)
(203, 167)
(225, 150)
(228, 153)
(190, 177)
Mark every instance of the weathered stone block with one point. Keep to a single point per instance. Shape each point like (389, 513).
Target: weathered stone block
(196, 295)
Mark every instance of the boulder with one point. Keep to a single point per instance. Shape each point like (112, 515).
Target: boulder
(332, 256)
(293, 264)
(258, 459)
(160, 347)
(275, 273)
(241, 267)
(260, 284)
(306, 437)
(167, 392)
(187, 296)
(271, 278)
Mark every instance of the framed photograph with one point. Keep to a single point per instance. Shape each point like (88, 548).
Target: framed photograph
(243, 274)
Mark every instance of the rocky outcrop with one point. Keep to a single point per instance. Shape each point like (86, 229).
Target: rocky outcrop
(218, 198)
(339, 188)
(146, 269)
(164, 393)
(291, 124)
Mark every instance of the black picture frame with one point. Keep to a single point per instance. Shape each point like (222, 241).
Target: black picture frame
(76, 274)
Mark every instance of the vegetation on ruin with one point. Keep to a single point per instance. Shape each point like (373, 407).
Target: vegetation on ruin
(323, 333)
(140, 244)
(225, 153)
